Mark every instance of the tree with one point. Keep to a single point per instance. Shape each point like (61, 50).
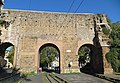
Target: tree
(83, 55)
(83, 51)
(47, 56)
(11, 55)
(43, 60)
(113, 56)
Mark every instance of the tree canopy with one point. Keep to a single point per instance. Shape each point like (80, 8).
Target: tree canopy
(113, 56)
(47, 56)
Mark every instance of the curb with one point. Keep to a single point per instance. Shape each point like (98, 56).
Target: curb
(107, 78)
(66, 81)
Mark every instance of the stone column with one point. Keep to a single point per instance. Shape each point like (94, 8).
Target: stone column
(107, 66)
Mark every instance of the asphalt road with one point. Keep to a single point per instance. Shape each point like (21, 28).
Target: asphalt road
(34, 79)
(82, 78)
(72, 78)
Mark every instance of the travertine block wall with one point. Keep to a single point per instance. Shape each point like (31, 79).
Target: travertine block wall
(30, 30)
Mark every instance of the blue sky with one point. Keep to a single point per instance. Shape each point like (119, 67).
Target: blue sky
(109, 7)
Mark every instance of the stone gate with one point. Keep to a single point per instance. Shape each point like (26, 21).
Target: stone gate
(28, 31)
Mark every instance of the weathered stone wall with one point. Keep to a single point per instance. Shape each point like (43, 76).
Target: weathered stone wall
(30, 30)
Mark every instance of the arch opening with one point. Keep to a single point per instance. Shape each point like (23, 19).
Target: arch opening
(89, 60)
(6, 56)
(49, 59)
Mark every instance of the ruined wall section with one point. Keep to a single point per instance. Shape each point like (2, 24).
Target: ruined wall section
(85, 27)
(12, 29)
(70, 29)
(56, 25)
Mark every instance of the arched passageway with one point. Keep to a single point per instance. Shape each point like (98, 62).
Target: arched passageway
(6, 55)
(49, 58)
(89, 60)
(3, 48)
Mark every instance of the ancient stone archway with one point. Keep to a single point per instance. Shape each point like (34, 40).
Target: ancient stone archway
(7, 53)
(3, 47)
(49, 50)
(95, 62)
(29, 30)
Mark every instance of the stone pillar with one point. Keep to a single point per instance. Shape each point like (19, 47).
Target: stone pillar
(107, 66)
(70, 60)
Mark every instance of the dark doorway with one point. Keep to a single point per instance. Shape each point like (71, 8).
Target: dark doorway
(89, 62)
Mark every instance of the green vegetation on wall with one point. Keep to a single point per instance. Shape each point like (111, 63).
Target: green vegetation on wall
(113, 56)
(106, 31)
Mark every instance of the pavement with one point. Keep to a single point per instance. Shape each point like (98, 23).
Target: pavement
(70, 78)
(34, 79)
(113, 76)
(82, 78)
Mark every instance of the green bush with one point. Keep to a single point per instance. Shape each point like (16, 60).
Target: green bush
(113, 57)
(106, 31)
